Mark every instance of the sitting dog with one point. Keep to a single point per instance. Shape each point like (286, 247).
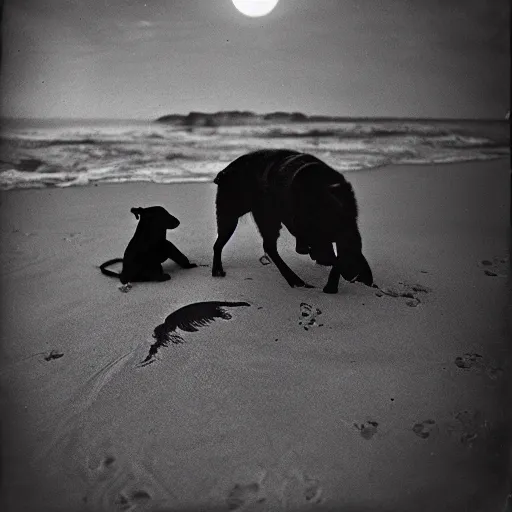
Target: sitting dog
(148, 248)
(314, 202)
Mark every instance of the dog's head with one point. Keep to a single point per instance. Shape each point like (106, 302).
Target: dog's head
(353, 267)
(157, 216)
(351, 262)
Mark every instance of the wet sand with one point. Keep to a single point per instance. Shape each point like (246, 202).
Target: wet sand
(368, 400)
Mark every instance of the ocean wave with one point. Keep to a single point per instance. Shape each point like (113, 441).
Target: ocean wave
(77, 156)
(342, 130)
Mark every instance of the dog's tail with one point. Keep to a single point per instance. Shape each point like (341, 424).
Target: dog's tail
(110, 273)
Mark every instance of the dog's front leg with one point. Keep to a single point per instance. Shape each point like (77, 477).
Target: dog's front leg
(350, 264)
(172, 252)
(333, 280)
(270, 247)
(336, 270)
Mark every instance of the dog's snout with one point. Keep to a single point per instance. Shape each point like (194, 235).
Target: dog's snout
(173, 223)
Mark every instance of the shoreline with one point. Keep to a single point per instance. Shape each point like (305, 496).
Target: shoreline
(191, 180)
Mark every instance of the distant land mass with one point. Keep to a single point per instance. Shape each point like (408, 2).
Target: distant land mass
(245, 117)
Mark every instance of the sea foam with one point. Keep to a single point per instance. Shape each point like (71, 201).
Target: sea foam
(76, 154)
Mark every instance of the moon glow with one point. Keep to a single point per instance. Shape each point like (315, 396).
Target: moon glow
(255, 8)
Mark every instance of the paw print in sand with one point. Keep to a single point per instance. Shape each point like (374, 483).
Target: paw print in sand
(300, 490)
(244, 489)
(477, 363)
(408, 291)
(241, 495)
(469, 360)
(469, 427)
(112, 485)
(308, 316)
(497, 267)
(131, 500)
(424, 428)
(368, 429)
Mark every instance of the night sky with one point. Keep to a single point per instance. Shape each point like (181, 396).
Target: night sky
(146, 58)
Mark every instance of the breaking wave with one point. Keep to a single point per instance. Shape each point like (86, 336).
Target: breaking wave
(74, 154)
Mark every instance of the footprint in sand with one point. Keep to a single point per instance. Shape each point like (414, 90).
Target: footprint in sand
(468, 427)
(241, 495)
(299, 490)
(131, 501)
(104, 469)
(407, 290)
(244, 489)
(368, 429)
(113, 488)
(424, 429)
(468, 360)
(477, 363)
(308, 316)
(497, 267)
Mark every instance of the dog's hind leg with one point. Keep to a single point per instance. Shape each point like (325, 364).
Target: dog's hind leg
(172, 252)
(226, 226)
(269, 228)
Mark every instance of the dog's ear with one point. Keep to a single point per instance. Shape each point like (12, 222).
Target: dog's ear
(137, 212)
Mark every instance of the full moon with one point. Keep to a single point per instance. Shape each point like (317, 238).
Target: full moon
(255, 8)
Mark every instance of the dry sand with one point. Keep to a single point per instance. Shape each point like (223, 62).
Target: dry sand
(370, 403)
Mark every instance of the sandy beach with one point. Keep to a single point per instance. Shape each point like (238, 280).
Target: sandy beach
(374, 400)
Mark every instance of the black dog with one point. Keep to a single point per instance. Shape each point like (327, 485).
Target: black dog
(148, 248)
(312, 200)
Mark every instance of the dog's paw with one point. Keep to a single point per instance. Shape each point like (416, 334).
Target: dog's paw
(190, 265)
(218, 272)
(330, 289)
(164, 277)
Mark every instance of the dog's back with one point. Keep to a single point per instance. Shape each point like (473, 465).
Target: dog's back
(251, 166)
(249, 180)
(294, 182)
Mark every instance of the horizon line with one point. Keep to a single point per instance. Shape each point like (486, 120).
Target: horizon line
(327, 116)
